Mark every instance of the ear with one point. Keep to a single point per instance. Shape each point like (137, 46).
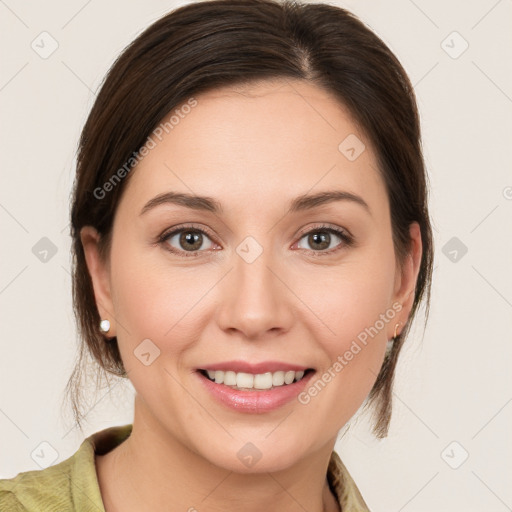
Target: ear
(100, 276)
(406, 278)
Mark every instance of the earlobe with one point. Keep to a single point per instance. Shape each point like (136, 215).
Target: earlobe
(100, 275)
(405, 285)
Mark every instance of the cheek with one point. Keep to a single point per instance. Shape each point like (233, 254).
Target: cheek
(356, 308)
(355, 297)
(155, 301)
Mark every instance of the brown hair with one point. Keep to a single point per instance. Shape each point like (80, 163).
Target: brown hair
(209, 44)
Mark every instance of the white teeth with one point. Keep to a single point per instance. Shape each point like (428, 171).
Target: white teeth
(244, 380)
(230, 379)
(263, 381)
(249, 381)
(278, 378)
(288, 377)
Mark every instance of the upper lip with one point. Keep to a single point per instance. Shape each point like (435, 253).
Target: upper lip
(255, 368)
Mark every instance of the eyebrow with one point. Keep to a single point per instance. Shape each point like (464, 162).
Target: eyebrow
(300, 203)
(307, 202)
(191, 201)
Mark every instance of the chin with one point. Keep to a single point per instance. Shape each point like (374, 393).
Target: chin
(258, 456)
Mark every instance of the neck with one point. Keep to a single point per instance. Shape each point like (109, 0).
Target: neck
(153, 470)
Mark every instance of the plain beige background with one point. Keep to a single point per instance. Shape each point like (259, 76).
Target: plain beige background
(453, 395)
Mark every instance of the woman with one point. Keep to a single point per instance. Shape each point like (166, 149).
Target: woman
(252, 241)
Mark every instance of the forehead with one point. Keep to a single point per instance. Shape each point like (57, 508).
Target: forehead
(262, 142)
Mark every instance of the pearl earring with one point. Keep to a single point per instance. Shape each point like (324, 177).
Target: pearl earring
(105, 326)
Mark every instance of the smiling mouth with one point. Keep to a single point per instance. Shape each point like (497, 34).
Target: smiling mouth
(255, 382)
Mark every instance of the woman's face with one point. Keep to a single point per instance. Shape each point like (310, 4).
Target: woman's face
(267, 283)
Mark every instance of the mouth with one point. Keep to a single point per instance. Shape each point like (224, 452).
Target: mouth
(265, 381)
(255, 388)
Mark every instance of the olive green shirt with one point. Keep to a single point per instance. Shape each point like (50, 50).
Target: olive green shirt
(72, 485)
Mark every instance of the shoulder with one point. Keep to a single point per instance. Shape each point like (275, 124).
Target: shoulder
(46, 489)
(342, 484)
(70, 485)
(8, 500)
(38, 489)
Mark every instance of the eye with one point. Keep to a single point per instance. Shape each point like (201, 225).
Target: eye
(191, 240)
(321, 239)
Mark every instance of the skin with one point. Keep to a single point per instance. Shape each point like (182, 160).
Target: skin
(253, 150)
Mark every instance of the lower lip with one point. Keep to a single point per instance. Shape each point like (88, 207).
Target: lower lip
(255, 401)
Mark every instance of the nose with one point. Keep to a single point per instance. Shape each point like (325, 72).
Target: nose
(255, 299)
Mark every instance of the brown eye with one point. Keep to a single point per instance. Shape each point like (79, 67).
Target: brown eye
(325, 239)
(319, 240)
(187, 240)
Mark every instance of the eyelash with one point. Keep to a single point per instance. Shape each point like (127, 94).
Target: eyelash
(347, 239)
